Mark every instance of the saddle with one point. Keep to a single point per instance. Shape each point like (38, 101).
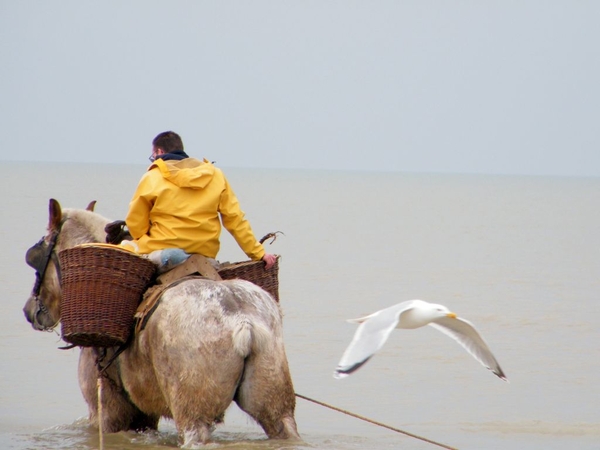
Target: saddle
(196, 266)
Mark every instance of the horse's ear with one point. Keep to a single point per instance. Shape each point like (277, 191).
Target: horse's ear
(91, 206)
(55, 215)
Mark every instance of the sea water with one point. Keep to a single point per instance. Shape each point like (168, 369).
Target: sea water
(517, 256)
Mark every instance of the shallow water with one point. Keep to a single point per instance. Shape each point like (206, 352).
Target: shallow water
(517, 256)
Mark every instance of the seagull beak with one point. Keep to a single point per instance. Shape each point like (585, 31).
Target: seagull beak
(451, 315)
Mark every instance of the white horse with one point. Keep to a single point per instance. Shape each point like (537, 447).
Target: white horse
(208, 343)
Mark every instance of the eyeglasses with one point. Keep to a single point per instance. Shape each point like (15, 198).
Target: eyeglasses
(154, 156)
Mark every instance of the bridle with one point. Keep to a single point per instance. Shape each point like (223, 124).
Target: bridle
(38, 257)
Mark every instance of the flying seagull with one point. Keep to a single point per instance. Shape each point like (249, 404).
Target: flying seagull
(375, 329)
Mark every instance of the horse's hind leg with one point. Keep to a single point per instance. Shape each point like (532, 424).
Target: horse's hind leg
(267, 394)
(200, 393)
(195, 435)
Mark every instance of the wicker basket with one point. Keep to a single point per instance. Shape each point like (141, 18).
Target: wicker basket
(255, 272)
(102, 287)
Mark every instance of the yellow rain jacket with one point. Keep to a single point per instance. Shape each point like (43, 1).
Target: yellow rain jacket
(177, 204)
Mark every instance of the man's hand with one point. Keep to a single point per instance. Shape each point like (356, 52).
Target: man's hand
(269, 260)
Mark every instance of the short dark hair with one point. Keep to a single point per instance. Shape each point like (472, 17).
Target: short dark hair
(169, 141)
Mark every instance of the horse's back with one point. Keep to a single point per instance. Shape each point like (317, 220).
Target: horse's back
(205, 309)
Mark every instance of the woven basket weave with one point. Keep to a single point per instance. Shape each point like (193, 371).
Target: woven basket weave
(102, 287)
(255, 272)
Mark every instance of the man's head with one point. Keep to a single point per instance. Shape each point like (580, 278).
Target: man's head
(168, 141)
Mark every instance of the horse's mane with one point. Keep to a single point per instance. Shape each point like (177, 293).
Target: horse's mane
(80, 226)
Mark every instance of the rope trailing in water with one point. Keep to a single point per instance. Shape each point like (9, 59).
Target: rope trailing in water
(99, 383)
(376, 423)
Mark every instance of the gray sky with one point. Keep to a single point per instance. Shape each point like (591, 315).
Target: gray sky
(434, 86)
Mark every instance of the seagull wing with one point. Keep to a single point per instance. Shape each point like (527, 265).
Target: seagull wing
(369, 337)
(463, 332)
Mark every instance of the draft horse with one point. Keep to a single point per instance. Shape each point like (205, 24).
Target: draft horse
(208, 343)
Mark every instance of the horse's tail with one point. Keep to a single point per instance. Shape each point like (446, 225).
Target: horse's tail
(250, 335)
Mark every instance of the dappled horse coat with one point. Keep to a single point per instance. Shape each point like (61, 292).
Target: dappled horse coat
(208, 343)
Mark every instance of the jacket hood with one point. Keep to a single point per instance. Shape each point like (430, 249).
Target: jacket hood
(187, 173)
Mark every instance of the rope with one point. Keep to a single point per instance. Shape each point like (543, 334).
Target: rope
(376, 423)
(101, 438)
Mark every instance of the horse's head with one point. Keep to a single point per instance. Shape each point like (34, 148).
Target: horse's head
(65, 229)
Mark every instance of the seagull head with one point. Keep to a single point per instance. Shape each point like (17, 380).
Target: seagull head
(421, 313)
(441, 311)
